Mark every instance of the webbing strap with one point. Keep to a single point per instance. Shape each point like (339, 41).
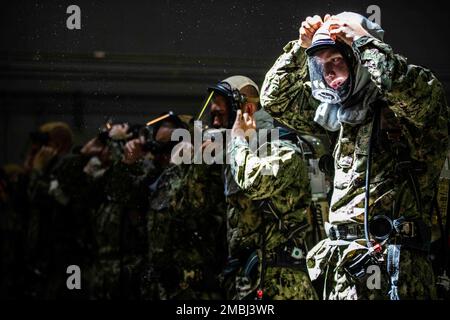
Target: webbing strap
(393, 268)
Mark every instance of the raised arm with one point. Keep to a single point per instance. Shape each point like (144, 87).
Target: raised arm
(413, 92)
(286, 91)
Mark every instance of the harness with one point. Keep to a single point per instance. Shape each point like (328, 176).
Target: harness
(290, 254)
(390, 231)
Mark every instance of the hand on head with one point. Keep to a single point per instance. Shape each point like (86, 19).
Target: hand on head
(346, 30)
(341, 29)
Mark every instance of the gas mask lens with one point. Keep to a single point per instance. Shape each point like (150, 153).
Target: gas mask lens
(329, 74)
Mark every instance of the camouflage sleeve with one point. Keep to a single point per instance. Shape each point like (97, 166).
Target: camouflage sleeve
(62, 181)
(413, 92)
(195, 187)
(286, 95)
(70, 175)
(262, 177)
(68, 179)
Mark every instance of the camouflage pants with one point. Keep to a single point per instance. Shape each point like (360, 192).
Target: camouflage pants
(280, 283)
(107, 281)
(182, 284)
(416, 281)
(105, 276)
(288, 284)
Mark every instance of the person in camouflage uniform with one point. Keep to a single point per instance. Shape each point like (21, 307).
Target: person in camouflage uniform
(267, 213)
(59, 233)
(412, 132)
(187, 234)
(120, 218)
(186, 230)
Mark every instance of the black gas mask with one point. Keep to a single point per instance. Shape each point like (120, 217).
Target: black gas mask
(149, 144)
(147, 134)
(233, 97)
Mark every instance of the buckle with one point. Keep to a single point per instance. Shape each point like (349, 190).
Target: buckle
(289, 256)
(405, 228)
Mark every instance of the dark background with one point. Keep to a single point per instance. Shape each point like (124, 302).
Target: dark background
(135, 59)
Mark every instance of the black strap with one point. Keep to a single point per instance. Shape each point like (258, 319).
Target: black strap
(315, 224)
(259, 294)
(373, 138)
